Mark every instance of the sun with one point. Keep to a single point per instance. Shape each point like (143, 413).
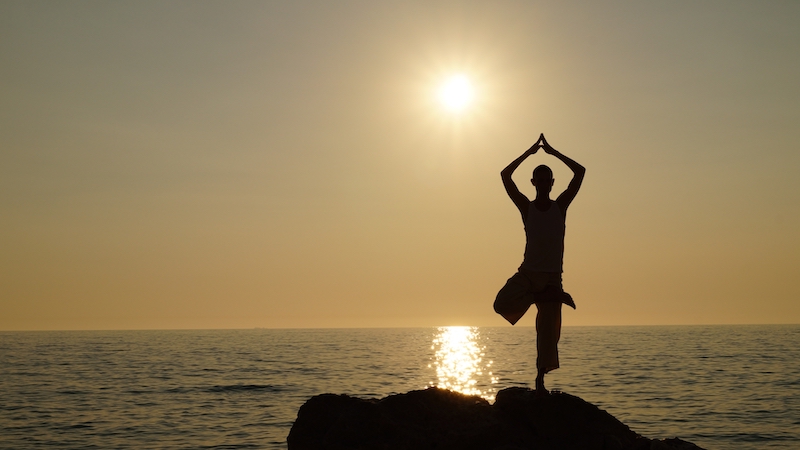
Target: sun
(456, 93)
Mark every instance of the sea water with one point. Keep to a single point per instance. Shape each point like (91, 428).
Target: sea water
(721, 387)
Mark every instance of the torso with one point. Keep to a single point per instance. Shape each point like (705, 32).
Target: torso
(544, 236)
(542, 205)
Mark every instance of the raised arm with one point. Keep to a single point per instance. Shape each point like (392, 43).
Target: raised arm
(516, 196)
(578, 171)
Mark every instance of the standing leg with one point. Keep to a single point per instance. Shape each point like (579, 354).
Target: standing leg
(548, 333)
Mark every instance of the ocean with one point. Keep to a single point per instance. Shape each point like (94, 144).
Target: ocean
(721, 387)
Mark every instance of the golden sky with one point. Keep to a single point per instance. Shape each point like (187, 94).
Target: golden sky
(287, 164)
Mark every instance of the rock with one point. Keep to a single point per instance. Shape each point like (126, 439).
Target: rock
(439, 419)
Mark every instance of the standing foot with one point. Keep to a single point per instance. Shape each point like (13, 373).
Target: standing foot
(540, 389)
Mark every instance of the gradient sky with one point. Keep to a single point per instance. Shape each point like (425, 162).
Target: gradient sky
(286, 164)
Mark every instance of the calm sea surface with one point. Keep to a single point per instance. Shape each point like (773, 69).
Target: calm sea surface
(722, 387)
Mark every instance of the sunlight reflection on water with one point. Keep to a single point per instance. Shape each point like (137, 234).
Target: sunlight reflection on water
(458, 360)
(722, 387)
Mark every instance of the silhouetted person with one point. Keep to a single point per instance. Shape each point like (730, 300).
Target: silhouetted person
(538, 279)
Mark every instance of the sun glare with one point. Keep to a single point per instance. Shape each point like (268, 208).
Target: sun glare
(459, 362)
(456, 93)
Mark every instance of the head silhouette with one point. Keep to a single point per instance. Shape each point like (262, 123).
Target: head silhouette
(542, 179)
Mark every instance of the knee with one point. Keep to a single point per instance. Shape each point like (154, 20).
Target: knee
(505, 304)
(498, 307)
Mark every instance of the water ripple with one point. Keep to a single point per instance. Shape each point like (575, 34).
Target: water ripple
(731, 387)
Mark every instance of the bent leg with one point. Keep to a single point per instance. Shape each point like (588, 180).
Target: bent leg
(513, 300)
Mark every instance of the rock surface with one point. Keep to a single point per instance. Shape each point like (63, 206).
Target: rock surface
(439, 419)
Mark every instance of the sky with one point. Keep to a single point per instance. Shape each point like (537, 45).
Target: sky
(173, 165)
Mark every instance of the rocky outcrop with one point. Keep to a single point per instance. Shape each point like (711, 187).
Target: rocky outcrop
(439, 419)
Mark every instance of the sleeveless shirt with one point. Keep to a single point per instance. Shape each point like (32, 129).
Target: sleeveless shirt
(544, 239)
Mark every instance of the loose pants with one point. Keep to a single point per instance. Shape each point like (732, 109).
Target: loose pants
(516, 297)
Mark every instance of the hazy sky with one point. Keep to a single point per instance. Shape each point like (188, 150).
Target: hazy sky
(287, 164)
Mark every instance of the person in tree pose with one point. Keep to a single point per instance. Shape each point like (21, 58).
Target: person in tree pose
(538, 279)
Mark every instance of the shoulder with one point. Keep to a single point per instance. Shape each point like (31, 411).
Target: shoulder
(524, 208)
(561, 206)
(563, 203)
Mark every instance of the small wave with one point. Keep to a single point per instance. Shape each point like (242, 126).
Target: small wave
(71, 392)
(763, 437)
(244, 387)
(138, 391)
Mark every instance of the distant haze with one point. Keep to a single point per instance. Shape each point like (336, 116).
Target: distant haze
(287, 164)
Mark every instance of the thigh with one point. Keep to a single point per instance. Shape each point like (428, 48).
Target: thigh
(516, 287)
(539, 281)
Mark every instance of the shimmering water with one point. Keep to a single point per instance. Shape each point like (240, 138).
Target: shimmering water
(722, 387)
